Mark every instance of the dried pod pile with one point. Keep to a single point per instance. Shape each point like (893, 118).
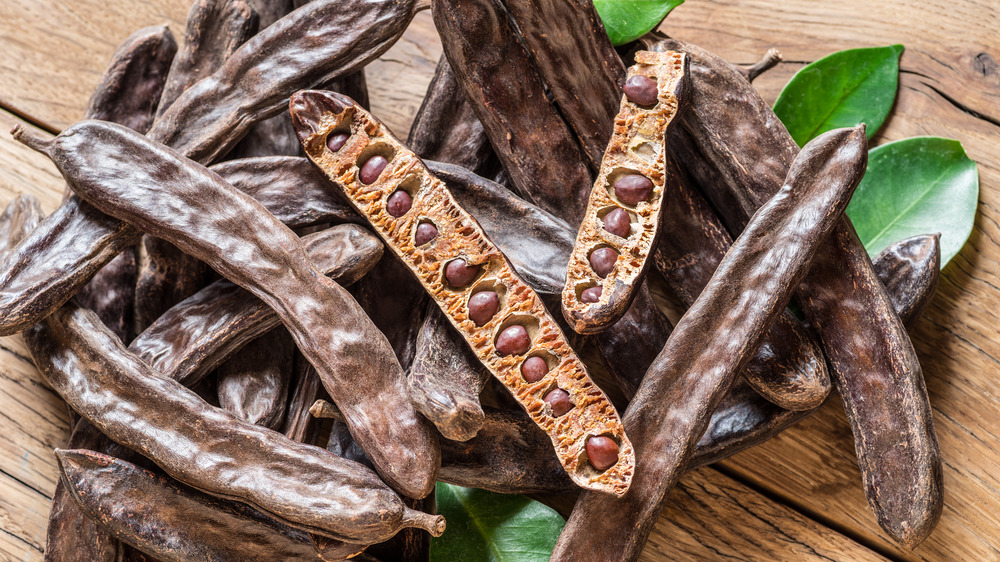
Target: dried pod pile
(457, 276)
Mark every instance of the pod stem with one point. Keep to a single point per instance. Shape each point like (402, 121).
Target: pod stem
(32, 139)
(421, 5)
(770, 59)
(323, 409)
(433, 524)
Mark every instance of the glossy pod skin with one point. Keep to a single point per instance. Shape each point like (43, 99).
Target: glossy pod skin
(538, 150)
(171, 522)
(211, 220)
(715, 339)
(452, 266)
(636, 154)
(910, 270)
(788, 369)
(872, 361)
(208, 448)
(253, 383)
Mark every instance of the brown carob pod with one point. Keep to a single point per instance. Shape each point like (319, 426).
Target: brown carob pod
(197, 334)
(299, 425)
(173, 522)
(910, 270)
(19, 218)
(208, 448)
(453, 266)
(577, 61)
(715, 339)
(538, 150)
(205, 217)
(789, 368)
(872, 361)
(619, 230)
(253, 383)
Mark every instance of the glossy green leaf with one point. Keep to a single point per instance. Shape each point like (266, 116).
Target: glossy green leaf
(916, 186)
(497, 527)
(842, 90)
(628, 20)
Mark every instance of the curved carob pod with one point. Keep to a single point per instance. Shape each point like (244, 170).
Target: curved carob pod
(872, 361)
(577, 61)
(253, 383)
(502, 318)
(616, 239)
(208, 448)
(538, 150)
(121, 171)
(910, 270)
(788, 369)
(172, 522)
(715, 339)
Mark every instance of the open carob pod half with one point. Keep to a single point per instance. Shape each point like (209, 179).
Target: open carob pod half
(501, 318)
(619, 230)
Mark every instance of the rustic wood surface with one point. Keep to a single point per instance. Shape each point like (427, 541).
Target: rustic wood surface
(797, 497)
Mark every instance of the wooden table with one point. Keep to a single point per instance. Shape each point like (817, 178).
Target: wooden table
(797, 497)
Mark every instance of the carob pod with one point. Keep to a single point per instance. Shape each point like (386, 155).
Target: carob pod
(577, 61)
(538, 150)
(208, 448)
(321, 41)
(616, 239)
(172, 522)
(120, 171)
(253, 383)
(200, 332)
(873, 364)
(299, 425)
(510, 328)
(715, 339)
(910, 270)
(788, 369)
(391, 298)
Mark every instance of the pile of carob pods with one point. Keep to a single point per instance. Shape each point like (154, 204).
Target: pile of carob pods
(275, 323)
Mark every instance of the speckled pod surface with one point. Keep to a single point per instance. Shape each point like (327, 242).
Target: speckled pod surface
(317, 116)
(637, 147)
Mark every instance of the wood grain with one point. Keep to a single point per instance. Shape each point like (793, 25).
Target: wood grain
(53, 51)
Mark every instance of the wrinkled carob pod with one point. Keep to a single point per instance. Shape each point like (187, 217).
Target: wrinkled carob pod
(872, 361)
(619, 230)
(198, 212)
(172, 522)
(503, 320)
(789, 368)
(208, 448)
(538, 150)
(910, 270)
(715, 339)
(253, 383)
(199, 333)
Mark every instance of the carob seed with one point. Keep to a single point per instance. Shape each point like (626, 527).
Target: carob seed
(603, 261)
(602, 452)
(592, 294)
(483, 306)
(559, 400)
(425, 233)
(372, 168)
(617, 222)
(633, 188)
(337, 141)
(399, 202)
(459, 274)
(641, 90)
(534, 369)
(513, 340)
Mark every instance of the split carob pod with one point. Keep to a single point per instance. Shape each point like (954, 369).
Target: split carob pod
(253, 383)
(208, 448)
(503, 320)
(321, 41)
(122, 172)
(538, 150)
(128, 94)
(788, 369)
(715, 339)
(200, 332)
(618, 233)
(172, 522)
(577, 61)
(872, 361)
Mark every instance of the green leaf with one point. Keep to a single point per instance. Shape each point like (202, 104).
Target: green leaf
(842, 90)
(498, 527)
(920, 185)
(627, 20)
